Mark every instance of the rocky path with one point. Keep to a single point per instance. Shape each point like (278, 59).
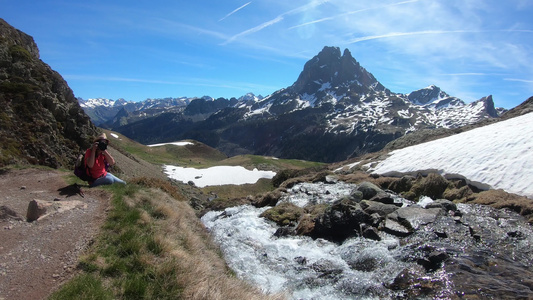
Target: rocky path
(37, 257)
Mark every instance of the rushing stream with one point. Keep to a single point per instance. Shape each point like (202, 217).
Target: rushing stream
(484, 252)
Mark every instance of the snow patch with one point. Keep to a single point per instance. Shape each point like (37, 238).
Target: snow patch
(497, 155)
(219, 175)
(174, 143)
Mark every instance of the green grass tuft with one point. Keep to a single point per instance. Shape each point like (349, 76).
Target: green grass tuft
(85, 286)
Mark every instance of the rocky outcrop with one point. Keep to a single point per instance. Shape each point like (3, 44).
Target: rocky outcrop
(41, 121)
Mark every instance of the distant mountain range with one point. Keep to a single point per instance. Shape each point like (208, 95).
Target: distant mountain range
(335, 110)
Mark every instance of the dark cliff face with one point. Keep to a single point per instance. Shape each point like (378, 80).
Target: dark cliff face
(41, 121)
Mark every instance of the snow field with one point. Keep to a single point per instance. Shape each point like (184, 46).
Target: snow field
(499, 155)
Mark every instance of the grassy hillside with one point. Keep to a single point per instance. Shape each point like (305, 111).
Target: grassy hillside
(137, 160)
(152, 246)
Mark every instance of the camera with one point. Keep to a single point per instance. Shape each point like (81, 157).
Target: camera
(102, 145)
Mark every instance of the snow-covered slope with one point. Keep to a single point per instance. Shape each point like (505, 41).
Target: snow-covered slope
(499, 155)
(100, 102)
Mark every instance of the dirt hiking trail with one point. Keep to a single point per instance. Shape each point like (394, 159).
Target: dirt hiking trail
(37, 257)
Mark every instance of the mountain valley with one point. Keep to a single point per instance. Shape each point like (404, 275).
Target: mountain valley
(334, 111)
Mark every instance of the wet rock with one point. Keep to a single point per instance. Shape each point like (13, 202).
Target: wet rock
(414, 216)
(434, 260)
(370, 232)
(414, 284)
(326, 269)
(444, 204)
(340, 221)
(395, 228)
(369, 190)
(196, 203)
(384, 198)
(332, 179)
(371, 207)
(284, 231)
(300, 260)
(376, 219)
(357, 196)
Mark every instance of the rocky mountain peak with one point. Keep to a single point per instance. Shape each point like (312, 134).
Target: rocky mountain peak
(488, 105)
(427, 95)
(16, 38)
(328, 68)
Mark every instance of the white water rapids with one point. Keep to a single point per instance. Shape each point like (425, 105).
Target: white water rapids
(303, 267)
(359, 268)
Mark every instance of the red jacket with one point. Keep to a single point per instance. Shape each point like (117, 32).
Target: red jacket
(99, 168)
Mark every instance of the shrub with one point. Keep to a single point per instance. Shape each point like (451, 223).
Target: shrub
(20, 53)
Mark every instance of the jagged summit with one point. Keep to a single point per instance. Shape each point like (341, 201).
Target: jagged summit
(329, 69)
(427, 95)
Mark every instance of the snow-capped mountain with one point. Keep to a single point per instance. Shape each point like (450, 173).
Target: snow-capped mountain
(335, 110)
(103, 111)
(355, 100)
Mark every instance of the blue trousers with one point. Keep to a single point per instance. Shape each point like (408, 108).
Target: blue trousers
(108, 179)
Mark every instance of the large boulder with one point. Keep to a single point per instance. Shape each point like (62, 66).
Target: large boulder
(412, 217)
(374, 207)
(369, 190)
(341, 220)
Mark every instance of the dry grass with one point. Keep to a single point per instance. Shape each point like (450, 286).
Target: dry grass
(189, 251)
(501, 199)
(153, 246)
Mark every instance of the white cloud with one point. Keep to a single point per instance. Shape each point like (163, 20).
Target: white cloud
(275, 20)
(234, 11)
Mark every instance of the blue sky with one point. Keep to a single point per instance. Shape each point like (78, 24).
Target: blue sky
(154, 49)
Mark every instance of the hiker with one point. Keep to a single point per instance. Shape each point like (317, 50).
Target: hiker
(98, 159)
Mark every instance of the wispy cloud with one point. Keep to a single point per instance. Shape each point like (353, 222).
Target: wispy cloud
(236, 10)
(350, 13)
(519, 80)
(254, 29)
(466, 74)
(277, 19)
(397, 34)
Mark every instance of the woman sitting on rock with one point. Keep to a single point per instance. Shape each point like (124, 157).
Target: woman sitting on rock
(98, 159)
